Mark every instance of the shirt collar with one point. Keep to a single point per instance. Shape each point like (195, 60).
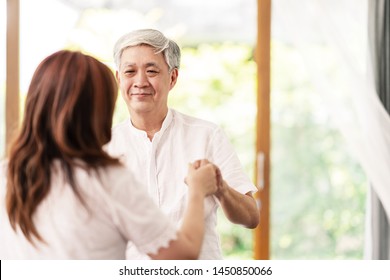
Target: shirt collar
(167, 121)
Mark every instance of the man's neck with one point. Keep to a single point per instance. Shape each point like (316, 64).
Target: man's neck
(150, 123)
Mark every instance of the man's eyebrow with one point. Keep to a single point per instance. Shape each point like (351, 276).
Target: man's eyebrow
(128, 64)
(149, 64)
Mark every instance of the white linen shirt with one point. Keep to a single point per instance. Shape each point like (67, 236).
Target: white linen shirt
(118, 211)
(163, 164)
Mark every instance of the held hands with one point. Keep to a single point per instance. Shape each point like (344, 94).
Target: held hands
(203, 176)
(221, 184)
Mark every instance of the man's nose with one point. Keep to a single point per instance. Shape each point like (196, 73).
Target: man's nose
(141, 80)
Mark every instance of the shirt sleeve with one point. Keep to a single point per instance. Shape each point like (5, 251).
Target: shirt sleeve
(221, 152)
(136, 215)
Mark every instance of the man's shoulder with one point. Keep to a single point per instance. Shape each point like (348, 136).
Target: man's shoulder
(121, 129)
(119, 134)
(191, 121)
(121, 125)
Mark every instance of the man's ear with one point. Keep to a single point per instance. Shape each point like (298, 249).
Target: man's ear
(174, 75)
(117, 76)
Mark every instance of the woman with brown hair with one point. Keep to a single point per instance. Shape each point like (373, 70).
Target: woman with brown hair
(65, 197)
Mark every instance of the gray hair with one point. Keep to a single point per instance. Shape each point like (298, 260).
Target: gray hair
(150, 37)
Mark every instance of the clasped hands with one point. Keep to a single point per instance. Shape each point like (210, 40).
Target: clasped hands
(206, 175)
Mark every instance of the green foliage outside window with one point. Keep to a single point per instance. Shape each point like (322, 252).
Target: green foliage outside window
(318, 190)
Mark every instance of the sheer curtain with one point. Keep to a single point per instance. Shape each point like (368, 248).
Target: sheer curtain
(379, 42)
(332, 37)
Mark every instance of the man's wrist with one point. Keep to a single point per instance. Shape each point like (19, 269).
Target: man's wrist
(222, 190)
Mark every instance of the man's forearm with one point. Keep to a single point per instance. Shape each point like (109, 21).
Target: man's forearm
(239, 208)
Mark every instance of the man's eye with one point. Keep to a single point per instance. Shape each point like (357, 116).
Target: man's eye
(129, 71)
(152, 71)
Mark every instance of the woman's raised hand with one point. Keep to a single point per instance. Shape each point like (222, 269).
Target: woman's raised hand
(203, 176)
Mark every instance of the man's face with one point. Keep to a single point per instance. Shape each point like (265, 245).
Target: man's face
(144, 80)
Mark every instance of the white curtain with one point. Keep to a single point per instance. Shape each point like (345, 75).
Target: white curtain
(378, 224)
(331, 36)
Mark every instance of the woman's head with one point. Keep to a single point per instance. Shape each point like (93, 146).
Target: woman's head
(67, 116)
(70, 103)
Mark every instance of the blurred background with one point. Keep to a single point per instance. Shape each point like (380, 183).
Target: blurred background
(318, 189)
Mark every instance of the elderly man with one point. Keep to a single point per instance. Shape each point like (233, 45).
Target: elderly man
(158, 142)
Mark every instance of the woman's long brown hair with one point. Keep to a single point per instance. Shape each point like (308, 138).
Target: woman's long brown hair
(68, 116)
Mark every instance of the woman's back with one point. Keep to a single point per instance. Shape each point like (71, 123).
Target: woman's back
(115, 211)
